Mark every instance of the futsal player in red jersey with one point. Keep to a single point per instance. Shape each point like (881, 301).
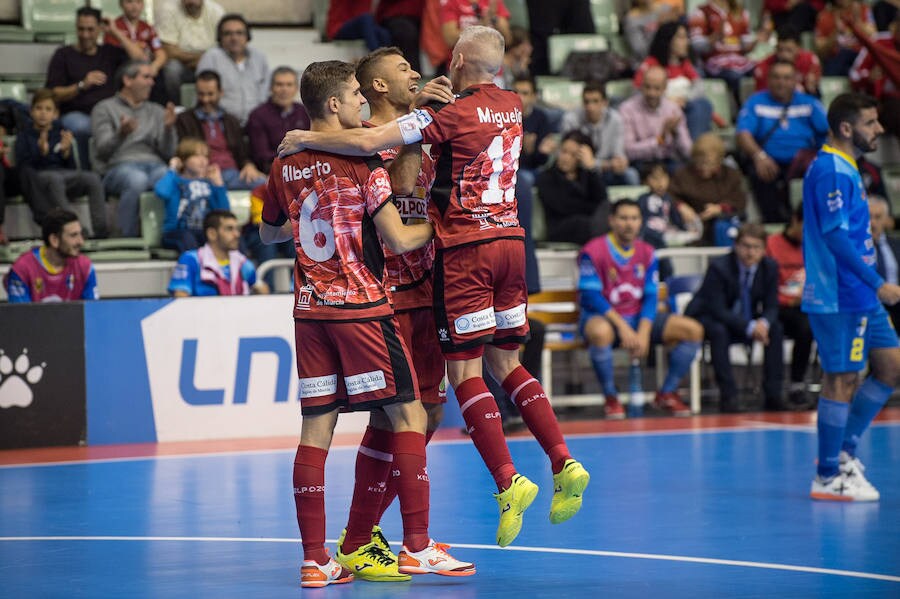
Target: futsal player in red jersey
(390, 85)
(334, 208)
(479, 270)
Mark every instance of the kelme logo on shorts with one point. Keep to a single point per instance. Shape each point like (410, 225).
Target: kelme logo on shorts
(475, 321)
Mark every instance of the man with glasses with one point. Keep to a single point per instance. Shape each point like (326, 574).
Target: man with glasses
(738, 303)
(244, 71)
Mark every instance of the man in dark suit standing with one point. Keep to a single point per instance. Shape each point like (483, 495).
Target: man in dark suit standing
(887, 249)
(738, 303)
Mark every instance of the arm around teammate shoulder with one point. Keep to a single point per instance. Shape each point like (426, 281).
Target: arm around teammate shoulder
(398, 237)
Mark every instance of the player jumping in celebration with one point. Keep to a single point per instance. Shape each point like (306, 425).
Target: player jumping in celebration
(389, 84)
(843, 295)
(332, 207)
(479, 270)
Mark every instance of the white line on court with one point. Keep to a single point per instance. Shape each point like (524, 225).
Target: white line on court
(590, 552)
(753, 426)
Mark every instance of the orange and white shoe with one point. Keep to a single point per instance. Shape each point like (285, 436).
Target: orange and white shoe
(312, 575)
(434, 559)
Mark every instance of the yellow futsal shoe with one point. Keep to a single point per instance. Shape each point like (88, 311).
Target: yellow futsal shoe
(377, 537)
(513, 502)
(568, 486)
(371, 562)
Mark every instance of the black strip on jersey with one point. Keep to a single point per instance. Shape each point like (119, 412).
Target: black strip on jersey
(374, 161)
(438, 307)
(414, 284)
(373, 254)
(403, 382)
(282, 218)
(443, 178)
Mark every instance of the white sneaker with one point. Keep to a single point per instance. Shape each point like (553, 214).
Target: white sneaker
(312, 575)
(854, 467)
(843, 487)
(434, 559)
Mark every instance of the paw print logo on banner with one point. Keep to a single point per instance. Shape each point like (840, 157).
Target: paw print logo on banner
(16, 379)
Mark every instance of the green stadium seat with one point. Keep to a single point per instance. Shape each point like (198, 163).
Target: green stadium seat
(560, 46)
(15, 34)
(188, 94)
(718, 94)
(320, 16)
(832, 87)
(561, 92)
(538, 220)
(622, 192)
(50, 20)
(14, 90)
(606, 21)
(796, 193)
(518, 13)
(619, 89)
(153, 214)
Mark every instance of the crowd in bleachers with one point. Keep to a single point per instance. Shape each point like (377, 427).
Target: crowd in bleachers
(707, 112)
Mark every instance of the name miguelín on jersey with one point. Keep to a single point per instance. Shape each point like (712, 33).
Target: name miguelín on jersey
(488, 115)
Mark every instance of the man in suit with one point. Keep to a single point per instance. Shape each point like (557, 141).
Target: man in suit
(738, 303)
(886, 248)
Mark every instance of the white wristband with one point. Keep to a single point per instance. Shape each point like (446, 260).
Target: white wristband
(411, 125)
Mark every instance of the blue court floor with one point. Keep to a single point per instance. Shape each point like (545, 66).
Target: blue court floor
(702, 513)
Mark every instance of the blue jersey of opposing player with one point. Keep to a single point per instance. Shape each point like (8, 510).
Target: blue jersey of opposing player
(834, 197)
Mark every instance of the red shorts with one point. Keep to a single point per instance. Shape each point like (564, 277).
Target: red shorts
(355, 365)
(417, 331)
(480, 295)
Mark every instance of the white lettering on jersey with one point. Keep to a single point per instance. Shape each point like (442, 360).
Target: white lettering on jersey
(475, 321)
(289, 172)
(486, 115)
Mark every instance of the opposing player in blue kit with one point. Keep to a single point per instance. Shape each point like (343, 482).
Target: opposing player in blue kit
(843, 296)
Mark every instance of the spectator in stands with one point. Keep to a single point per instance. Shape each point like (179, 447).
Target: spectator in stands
(456, 15)
(788, 49)
(712, 189)
(273, 118)
(670, 49)
(867, 76)
(549, 18)
(603, 125)
(82, 75)
(573, 194)
(785, 248)
(516, 58)
(403, 20)
(665, 221)
(139, 39)
(617, 292)
(738, 303)
(641, 23)
(538, 140)
(187, 29)
(779, 131)
(353, 20)
(190, 189)
(133, 139)
(799, 15)
(884, 12)
(243, 71)
(216, 268)
(44, 155)
(835, 44)
(887, 249)
(228, 149)
(722, 34)
(55, 271)
(259, 251)
(654, 126)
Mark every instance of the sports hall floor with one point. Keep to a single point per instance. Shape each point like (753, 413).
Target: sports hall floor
(710, 506)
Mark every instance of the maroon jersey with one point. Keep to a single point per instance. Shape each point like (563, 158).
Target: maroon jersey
(479, 138)
(331, 201)
(409, 274)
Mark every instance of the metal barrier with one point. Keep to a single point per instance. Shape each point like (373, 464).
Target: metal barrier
(284, 270)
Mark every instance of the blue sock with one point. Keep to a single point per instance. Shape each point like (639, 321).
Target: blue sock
(602, 359)
(832, 421)
(868, 401)
(680, 359)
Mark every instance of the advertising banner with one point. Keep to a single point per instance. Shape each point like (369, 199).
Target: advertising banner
(42, 375)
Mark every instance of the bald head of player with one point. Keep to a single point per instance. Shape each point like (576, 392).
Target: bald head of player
(477, 57)
(331, 95)
(388, 82)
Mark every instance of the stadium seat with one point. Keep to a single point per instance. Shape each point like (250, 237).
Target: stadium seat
(15, 34)
(518, 13)
(50, 20)
(188, 94)
(14, 90)
(606, 21)
(111, 9)
(718, 94)
(618, 90)
(560, 92)
(538, 221)
(796, 193)
(622, 192)
(832, 87)
(560, 46)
